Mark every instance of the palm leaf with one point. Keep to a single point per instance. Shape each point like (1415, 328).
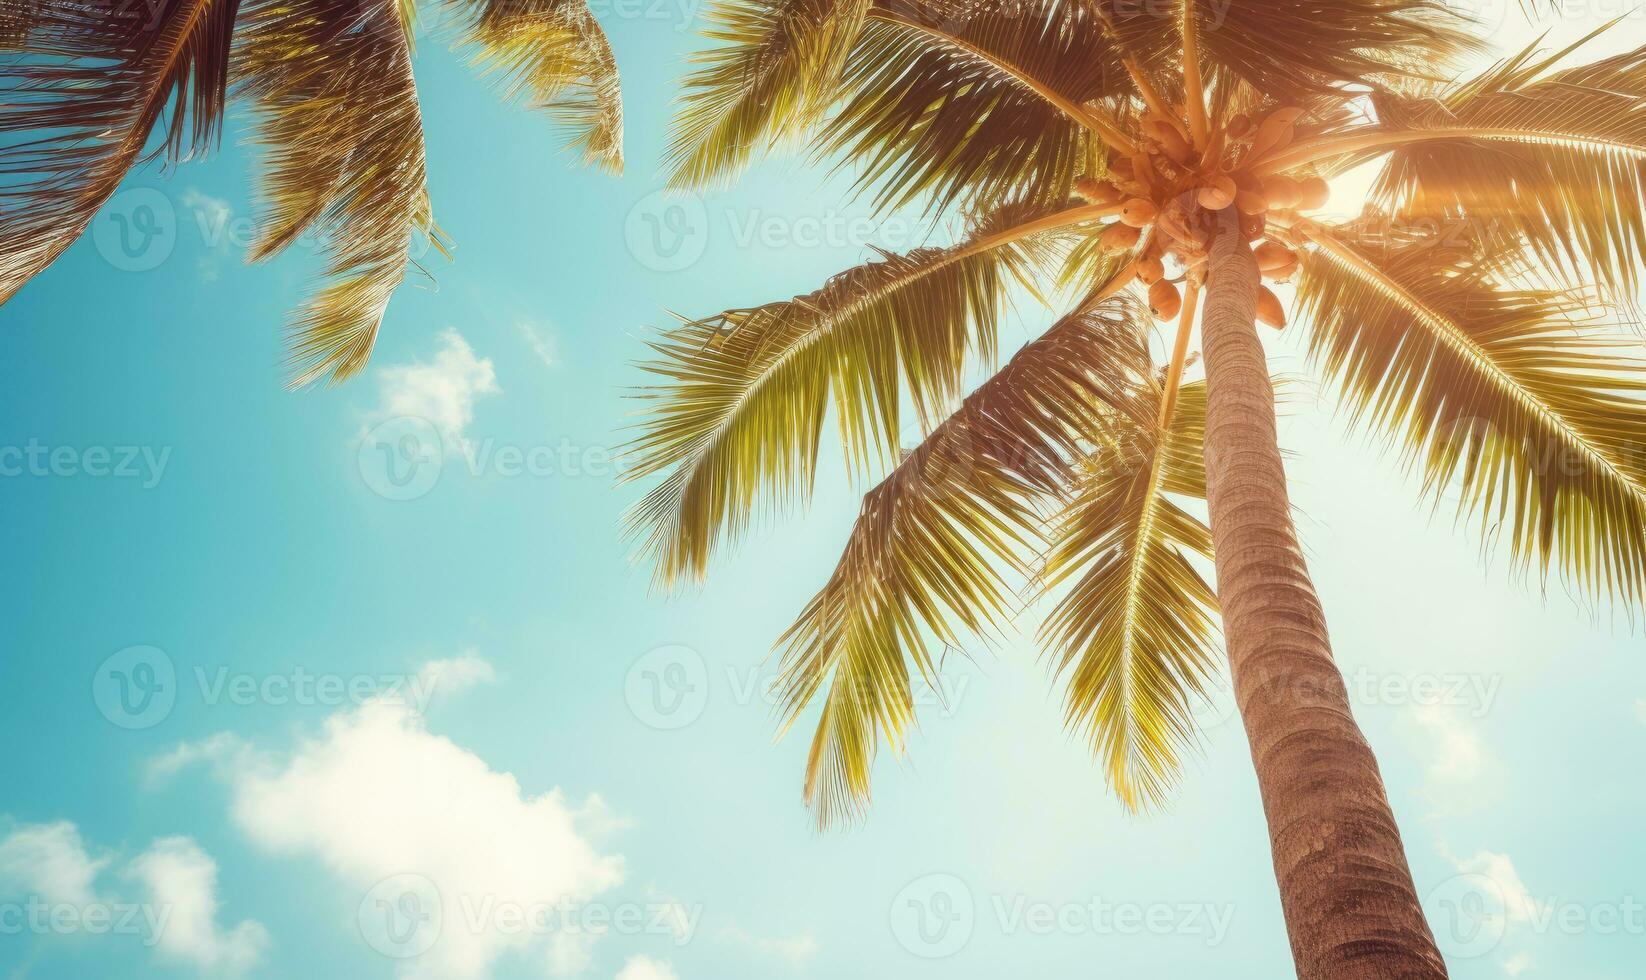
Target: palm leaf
(552, 55)
(1508, 395)
(79, 104)
(745, 392)
(17, 18)
(1136, 634)
(927, 553)
(770, 78)
(999, 93)
(975, 102)
(1557, 157)
(1295, 50)
(343, 138)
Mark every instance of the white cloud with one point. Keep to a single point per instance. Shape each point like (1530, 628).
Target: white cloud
(569, 953)
(1518, 903)
(598, 820)
(1455, 749)
(182, 879)
(214, 749)
(541, 345)
(454, 675)
(1517, 964)
(680, 920)
(210, 217)
(646, 968)
(178, 918)
(212, 213)
(795, 949)
(376, 796)
(442, 392)
(51, 861)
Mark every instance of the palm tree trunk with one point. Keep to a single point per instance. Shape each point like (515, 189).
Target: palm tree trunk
(1351, 909)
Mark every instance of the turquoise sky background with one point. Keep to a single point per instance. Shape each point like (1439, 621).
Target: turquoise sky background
(1509, 723)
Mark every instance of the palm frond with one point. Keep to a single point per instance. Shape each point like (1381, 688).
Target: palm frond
(343, 139)
(927, 555)
(976, 102)
(1509, 396)
(770, 78)
(1294, 50)
(1136, 634)
(1085, 265)
(17, 18)
(744, 392)
(1557, 157)
(552, 55)
(79, 103)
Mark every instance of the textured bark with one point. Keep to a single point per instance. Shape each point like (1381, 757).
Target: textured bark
(1351, 909)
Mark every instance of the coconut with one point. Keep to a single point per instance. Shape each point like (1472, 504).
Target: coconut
(1253, 227)
(1150, 269)
(1313, 192)
(1171, 141)
(1119, 237)
(1275, 131)
(1273, 255)
(1095, 191)
(1282, 192)
(1218, 193)
(1164, 300)
(1284, 273)
(1269, 310)
(1251, 202)
(1137, 212)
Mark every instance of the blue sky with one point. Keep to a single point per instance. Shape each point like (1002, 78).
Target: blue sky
(351, 681)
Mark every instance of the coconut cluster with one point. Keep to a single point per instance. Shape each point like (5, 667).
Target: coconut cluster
(1173, 193)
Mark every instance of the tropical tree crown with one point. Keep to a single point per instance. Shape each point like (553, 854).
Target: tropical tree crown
(1100, 145)
(89, 91)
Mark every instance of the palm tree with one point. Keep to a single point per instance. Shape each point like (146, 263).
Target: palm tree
(83, 87)
(1174, 157)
